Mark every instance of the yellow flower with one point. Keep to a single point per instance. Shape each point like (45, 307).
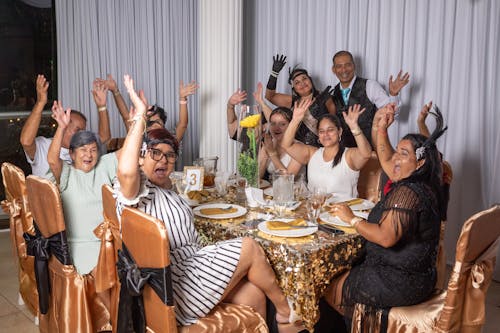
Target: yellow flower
(250, 121)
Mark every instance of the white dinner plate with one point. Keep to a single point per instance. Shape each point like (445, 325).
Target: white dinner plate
(298, 232)
(333, 220)
(365, 205)
(240, 211)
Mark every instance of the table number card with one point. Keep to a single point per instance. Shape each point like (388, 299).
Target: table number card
(194, 177)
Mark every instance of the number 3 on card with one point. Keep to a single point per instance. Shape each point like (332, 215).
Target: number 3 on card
(194, 177)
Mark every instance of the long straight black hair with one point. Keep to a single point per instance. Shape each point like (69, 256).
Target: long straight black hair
(335, 120)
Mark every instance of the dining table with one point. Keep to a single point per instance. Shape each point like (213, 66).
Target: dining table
(304, 266)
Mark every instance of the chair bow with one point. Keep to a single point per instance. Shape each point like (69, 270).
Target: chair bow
(477, 275)
(105, 273)
(42, 248)
(131, 314)
(13, 207)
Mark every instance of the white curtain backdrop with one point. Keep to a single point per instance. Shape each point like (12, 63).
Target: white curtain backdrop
(155, 41)
(451, 49)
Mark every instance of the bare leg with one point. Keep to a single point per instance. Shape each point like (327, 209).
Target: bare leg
(333, 294)
(254, 265)
(247, 293)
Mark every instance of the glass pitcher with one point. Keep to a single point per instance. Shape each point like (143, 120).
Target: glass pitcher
(209, 165)
(282, 190)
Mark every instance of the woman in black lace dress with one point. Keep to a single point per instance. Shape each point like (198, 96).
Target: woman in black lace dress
(402, 230)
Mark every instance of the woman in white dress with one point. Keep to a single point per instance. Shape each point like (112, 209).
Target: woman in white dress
(331, 167)
(234, 271)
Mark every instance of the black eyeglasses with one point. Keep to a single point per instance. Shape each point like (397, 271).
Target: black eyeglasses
(157, 155)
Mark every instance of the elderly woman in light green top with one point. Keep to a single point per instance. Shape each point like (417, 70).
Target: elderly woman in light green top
(80, 185)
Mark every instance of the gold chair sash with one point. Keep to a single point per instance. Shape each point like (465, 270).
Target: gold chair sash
(472, 288)
(105, 272)
(13, 208)
(227, 317)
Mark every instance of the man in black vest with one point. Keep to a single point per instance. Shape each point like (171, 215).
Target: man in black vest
(355, 90)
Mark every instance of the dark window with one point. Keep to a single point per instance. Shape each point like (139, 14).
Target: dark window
(28, 47)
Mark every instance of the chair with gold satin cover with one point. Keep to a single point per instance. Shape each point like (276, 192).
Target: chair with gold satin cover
(68, 301)
(106, 275)
(16, 205)
(369, 186)
(460, 308)
(142, 235)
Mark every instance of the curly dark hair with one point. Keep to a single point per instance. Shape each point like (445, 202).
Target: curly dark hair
(430, 173)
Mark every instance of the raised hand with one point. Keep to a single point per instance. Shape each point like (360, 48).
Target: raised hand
(139, 105)
(42, 86)
(396, 85)
(60, 116)
(279, 62)
(300, 108)
(268, 143)
(424, 112)
(187, 90)
(384, 116)
(258, 94)
(99, 92)
(324, 95)
(352, 115)
(110, 83)
(237, 97)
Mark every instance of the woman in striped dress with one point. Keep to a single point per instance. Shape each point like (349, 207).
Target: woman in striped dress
(234, 271)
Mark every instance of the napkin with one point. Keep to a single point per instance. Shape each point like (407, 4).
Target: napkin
(280, 225)
(255, 197)
(351, 202)
(218, 211)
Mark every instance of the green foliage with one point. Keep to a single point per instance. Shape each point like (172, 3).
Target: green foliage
(248, 163)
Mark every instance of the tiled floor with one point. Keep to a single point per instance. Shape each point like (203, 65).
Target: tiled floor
(16, 318)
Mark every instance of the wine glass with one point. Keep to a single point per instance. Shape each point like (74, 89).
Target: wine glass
(319, 195)
(313, 206)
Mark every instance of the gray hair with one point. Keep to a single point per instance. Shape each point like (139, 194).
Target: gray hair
(82, 138)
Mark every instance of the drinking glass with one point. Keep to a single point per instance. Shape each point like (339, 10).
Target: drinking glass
(313, 206)
(221, 185)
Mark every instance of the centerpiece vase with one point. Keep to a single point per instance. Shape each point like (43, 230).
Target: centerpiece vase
(249, 135)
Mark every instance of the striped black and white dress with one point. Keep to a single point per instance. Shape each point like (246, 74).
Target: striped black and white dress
(200, 275)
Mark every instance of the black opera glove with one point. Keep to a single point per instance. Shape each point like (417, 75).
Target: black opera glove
(318, 106)
(279, 62)
(324, 96)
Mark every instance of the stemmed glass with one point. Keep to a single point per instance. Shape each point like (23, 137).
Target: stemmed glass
(315, 202)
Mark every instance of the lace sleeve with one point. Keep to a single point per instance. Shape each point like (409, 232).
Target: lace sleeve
(403, 204)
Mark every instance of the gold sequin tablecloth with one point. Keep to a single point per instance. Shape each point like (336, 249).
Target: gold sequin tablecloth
(304, 266)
